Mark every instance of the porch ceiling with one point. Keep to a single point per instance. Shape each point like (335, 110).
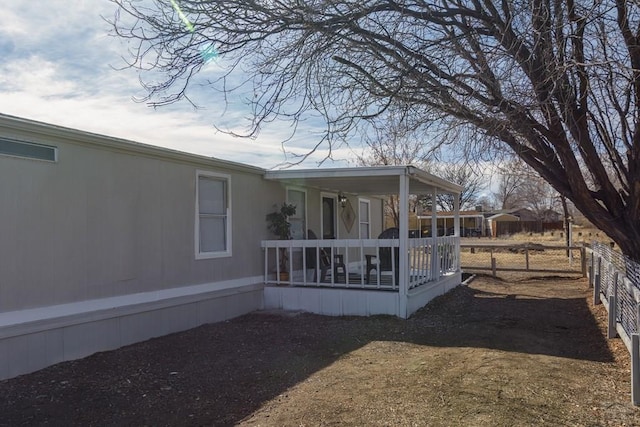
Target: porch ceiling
(371, 180)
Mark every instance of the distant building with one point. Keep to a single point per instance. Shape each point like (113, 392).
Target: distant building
(478, 222)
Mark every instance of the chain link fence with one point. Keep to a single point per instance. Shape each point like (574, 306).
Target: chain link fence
(616, 283)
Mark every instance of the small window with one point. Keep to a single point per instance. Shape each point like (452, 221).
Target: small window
(213, 216)
(28, 150)
(364, 221)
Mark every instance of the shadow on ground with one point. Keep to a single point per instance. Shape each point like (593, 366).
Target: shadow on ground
(220, 374)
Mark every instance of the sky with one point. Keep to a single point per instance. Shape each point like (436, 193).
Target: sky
(60, 66)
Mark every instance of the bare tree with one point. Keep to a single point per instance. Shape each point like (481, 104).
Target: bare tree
(557, 83)
(540, 198)
(507, 196)
(511, 181)
(521, 187)
(392, 143)
(464, 175)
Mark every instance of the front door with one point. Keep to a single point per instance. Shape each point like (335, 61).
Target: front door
(329, 230)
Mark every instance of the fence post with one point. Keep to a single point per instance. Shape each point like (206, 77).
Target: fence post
(635, 361)
(638, 318)
(635, 369)
(591, 269)
(613, 308)
(611, 329)
(583, 261)
(526, 256)
(596, 283)
(493, 266)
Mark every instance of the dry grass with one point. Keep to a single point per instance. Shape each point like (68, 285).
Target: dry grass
(580, 235)
(528, 352)
(551, 260)
(528, 251)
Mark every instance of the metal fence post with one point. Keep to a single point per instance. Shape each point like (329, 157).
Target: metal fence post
(592, 267)
(638, 318)
(596, 283)
(635, 369)
(611, 329)
(613, 309)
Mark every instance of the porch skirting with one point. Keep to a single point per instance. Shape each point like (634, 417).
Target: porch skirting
(420, 296)
(33, 339)
(356, 302)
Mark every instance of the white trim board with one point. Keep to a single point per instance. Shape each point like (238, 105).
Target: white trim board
(21, 322)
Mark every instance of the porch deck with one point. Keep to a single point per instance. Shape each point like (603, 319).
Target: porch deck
(348, 288)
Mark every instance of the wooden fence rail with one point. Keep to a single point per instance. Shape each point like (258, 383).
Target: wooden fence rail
(534, 258)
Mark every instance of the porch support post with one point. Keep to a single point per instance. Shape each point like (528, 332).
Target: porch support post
(435, 258)
(403, 276)
(456, 229)
(456, 215)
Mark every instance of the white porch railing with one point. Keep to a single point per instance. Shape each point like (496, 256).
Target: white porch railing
(354, 263)
(424, 268)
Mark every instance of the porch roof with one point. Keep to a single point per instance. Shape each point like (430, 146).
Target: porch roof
(369, 180)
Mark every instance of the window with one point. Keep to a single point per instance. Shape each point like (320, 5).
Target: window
(298, 221)
(28, 150)
(328, 214)
(213, 215)
(365, 224)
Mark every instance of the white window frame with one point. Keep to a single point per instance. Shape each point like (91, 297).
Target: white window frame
(305, 226)
(218, 254)
(360, 221)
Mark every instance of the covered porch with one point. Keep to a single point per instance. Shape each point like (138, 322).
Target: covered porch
(387, 273)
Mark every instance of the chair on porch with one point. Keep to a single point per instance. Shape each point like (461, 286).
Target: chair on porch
(339, 269)
(385, 262)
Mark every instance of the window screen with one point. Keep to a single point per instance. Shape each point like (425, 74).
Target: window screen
(28, 150)
(364, 219)
(213, 215)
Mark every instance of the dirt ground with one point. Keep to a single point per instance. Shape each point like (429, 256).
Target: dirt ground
(529, 352)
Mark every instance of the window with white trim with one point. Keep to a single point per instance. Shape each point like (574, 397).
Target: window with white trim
(364, 221)
(213, 215)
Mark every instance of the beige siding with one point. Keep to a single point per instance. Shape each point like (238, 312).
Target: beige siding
(101, 223)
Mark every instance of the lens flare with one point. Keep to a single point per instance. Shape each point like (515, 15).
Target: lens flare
(182, 16)
(208, 52)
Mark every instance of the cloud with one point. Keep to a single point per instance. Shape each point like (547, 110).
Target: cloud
(36, 75)
(58, 67)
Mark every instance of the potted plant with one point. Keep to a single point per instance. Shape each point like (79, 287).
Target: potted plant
(278, 223)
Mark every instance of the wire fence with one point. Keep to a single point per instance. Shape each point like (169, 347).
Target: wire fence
(616, 283)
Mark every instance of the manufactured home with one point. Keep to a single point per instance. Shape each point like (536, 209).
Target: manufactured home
(106, 242)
